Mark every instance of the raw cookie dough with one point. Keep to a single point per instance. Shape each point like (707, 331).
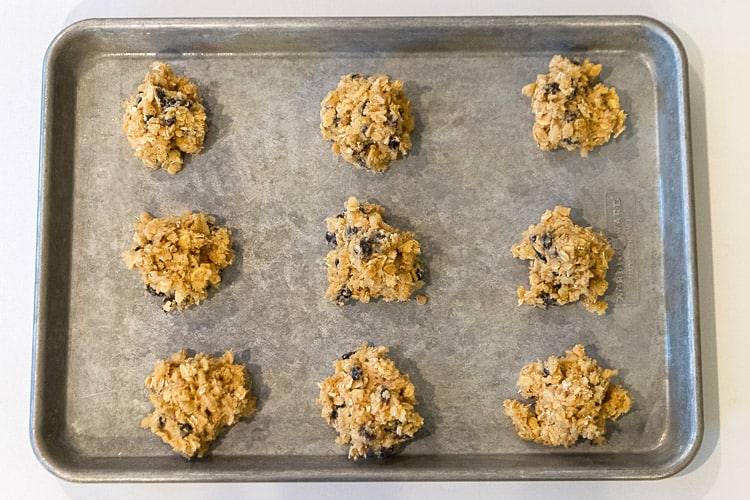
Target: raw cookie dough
(195, 398)
(369, 403)
(164, 119)
(180, 257)
(371, 259)
(570, 112)
(574, 399)
(568, 262)
(368, 120)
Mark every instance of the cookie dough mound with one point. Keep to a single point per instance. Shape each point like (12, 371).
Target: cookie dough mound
(180, 257)
(371, 259)
(568, 263)
(570, 111)
(164, 119)
(195, 398)
(369, 403)
(368, 120)
(574, 399)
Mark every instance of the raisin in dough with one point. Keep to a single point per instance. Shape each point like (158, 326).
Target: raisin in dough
(164, 119)
(369, 403)
(570, 111)
(568, 262)
(371, 259)
(195, 398)
(180, 257)
(573, 399)
(368, 120)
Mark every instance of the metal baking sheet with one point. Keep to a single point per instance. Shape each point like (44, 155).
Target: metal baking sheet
(472, 183)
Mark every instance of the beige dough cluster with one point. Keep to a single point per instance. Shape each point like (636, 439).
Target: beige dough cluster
(570, 110)
(369, 403)
(568, 262)
(164, 119)
(370, 259)
(195, 398)
(180, 257)
(368, 120)
(573, 399)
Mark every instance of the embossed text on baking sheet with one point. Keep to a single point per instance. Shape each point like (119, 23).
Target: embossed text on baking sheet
(623, 275)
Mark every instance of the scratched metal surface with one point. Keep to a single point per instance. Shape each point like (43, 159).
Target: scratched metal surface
(472, 183)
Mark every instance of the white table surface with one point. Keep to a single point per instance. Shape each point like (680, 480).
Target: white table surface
(717, 39)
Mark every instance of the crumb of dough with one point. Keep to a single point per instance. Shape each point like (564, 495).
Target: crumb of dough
(195, 398)
(370, 259)
(368, 120)
(570, 111)
(164, 119)
(369, 403)
(568, 263)
(180, 257)
(573, 400)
